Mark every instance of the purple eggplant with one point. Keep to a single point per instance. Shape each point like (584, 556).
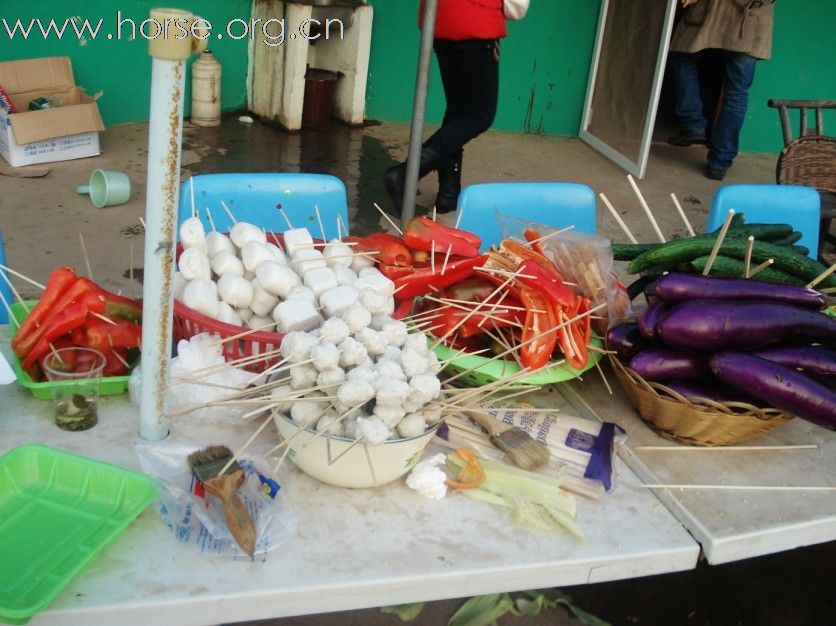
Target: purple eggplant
(715, 325)
(778, 386)
(649, 318)
(661, 363)
(673, 288)
(812, 360)
(711, 390)
(626, 340)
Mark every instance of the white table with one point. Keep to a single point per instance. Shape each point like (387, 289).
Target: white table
(354, 548)
(732, 525)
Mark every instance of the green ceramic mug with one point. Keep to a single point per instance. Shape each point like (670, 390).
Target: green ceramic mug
(107, 188)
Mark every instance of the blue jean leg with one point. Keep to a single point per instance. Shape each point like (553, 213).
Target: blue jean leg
(738, 74)
(686, 82)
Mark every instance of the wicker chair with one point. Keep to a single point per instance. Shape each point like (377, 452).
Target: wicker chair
(809, 159)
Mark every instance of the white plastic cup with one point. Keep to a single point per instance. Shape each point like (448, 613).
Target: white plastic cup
(107, 188)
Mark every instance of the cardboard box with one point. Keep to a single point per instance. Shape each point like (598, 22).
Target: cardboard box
(62, 133)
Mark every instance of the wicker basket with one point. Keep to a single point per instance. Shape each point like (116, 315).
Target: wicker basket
(708, 423)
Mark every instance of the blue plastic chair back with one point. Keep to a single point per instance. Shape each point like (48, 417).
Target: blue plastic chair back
(796, 205)
(552, 204)
(256, 198)
(4, 286)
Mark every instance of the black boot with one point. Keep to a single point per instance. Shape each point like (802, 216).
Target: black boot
(449, 184)
(395, 177)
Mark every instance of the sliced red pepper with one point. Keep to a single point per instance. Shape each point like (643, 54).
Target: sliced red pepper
(424, 234)
(474, 289)
(425, 280)
(533, 237)
(59, 281)
(392, 250)
(537, 345)
(395, 271)
(121, 307)
(113, 365)
(517, 252)
(547, 281)
(123, 334)
(577, 353)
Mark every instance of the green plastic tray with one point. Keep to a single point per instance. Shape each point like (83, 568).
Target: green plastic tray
(489, 371)
(109, 386)
(57, 511)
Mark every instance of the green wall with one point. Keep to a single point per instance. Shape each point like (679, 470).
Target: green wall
(122, 68)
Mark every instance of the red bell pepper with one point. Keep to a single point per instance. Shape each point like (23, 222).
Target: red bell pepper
(123, 334)
(474, 289)
(547, 281)
(393, 272)
(424, 280)
(533, 238)
(537, 344)
(59, 281)
(121, 306)
(392, 249)
(517, 253)
(113, 365)
(576, 350)
(424, 234)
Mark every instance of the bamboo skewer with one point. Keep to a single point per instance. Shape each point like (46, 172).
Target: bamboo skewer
(747, 260)
(22, 277)
(490, 270)
(617, 218)
(104, 318)
(759, 268)
(682, 215)
(344, 225)
(12, 318)
(432, 257)
(459, 216)
(246, 444)
(821, 276)
(84, 254)
(446, 258)
(245, 333)
(191, 194)
(211, 220)
(388, 219)
(551, 234)
(321, 227)
(718, 243)
(805, 446)
(646, 208)
(286, 219)
(828, 290)
(16, 294)
(229, 213)
(603, 376)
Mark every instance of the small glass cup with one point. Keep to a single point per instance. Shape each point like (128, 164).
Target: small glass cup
(75, 374)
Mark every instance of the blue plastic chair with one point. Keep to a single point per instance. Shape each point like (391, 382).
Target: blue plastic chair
(257, 198)
(552, 204)
(796, 205)
(4, 286)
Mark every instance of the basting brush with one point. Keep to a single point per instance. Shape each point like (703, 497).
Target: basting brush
(524, 452)
(206, 465)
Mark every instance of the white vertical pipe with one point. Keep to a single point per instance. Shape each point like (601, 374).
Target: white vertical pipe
(164, 143)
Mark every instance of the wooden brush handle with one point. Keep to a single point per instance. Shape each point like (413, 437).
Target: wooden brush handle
(485, 421)
(238, 519)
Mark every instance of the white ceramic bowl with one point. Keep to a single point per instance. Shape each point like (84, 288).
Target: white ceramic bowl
(362, 466)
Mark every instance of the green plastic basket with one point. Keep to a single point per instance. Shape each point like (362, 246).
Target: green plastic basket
(57, 511)
(109, 385)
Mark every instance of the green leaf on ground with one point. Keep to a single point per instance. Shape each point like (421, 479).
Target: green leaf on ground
(407, 612)
(482, 610)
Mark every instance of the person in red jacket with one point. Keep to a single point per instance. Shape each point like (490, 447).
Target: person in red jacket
(467, 34)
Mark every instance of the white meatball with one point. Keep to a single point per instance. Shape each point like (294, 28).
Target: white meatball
(345, 275)
(178, 285)
(242, 232)
(297, 239)
(277, 279)
(334, 330)
(413, 362)
(235, 290)
(371, 278)
(390, 415)
(350, 426)
(373, 341)
(304, 413)
(413, 403)
(418, 342)
(330, 424)
(352, 352)
(433, 364)
(228, 315)
(298, 314)
(338, 299)
(390, 369)
(431, 413)
(283, 394)
(193, 263)
(218, 242)
(359, 261)
(331, 378)
(396, 332)
(199, 295)
(357, 317)
(277, 254)
(428, 386)
(297, 346)
(413, 425)
(254, 253)
(337, 253)
(192, 234)
(245, 314)
(376, 303)
(260, 323)
(326, 356)
(391, 391)
(263, 302)
(373, 430)
(364, 373)
(353, 393)
(307, 259)
(379, 321)
(301, 292)
(225, 262)
(392, 353)
(303, 376)
(320, 280)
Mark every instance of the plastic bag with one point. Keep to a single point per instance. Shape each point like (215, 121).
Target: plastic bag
(583, 259)
(198, 519)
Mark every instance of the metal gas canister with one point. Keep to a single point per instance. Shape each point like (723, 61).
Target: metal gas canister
(206, 90)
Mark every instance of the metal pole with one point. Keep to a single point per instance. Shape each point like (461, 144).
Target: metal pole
(419, 109)
(165, 134)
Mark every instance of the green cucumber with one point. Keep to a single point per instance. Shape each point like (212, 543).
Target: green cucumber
(802, 250)
(689, 249)
(733, 268)
(790, 240)
(629, 251)
(635, 289)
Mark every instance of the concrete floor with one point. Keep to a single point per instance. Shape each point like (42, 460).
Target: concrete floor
(41, 219)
